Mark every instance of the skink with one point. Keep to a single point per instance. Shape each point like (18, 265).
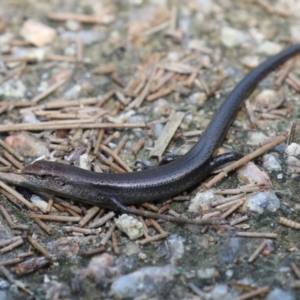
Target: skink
(161, 182)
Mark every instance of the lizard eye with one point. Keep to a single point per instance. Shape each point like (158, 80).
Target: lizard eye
(59, 181)
(41, 177)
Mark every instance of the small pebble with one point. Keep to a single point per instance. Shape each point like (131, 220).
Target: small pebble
(12, 89)
(43, 85)
(3, 285)
(55, 289)
(269, 98)
(29, 117)
(280, 176)
(87, 36)
(270, 162)
(37, 33)
(131, 248)
(41, 203)
(255, 138)
(101, 268)
(161, 107)
(85, 162)
(228, 252)
(269, 48)
(137, 119)
(27, 144)
(197, 98)
(130, 226)
(73, 92)
(157, 130)
(73, 25)
(46, 279)
(6, 37)
(107, 19)
(173, 56)
(65, 247)
(279, 294)
(293, 149)
(136, 2)
(144, 283)
(176, 248)
(262, 201)
(70, 50)
(142, 256)
(294, 27)
(126, 115)
(229, 273)
(207, 273)
(220, 291)
(194, 44)
(231, 37)
(250, 62)
(201, 200)
(250, 173)
(293, 165)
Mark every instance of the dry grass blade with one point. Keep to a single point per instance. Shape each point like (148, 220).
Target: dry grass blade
(108, 235)
(289, 223)
(40, 223)
(257, 292)
(55, 218)
(17, 195)
(48, 91)
(266, 235)
(94, 251)
(259, 249)
(38, 247)
(295, 269)
(72, 124)
(89, 215)
(167, 134)
(102, 220)
(12, 246)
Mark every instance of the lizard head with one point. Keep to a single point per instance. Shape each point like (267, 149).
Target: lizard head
(45, 174)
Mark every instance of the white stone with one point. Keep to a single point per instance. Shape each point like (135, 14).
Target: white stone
(293, 164)
(12, 89)
(174, 56)
(176, 248)
(250, 61)
(130, 226)
(41, 203)
(269, 99)
(269, 48)
(294, 30)
(85, 162)
(293, 149)
(220, 291)
(229, 273)
(73, 25)
(262, 201)
(201, 200)
(270, 162)
(278, 294)
(142, 256)
(231, 37)
(207, 273)
(279, 176)
(255, 138)
(145, 283)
